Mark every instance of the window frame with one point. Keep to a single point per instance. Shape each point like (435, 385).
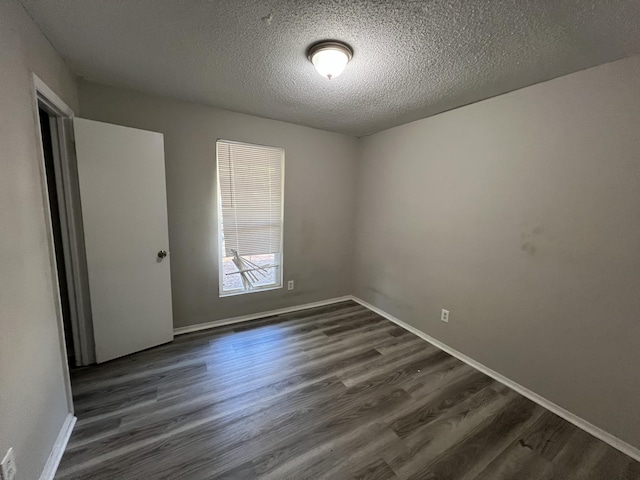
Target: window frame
(219, 225)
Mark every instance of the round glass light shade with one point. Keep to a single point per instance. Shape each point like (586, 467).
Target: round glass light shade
(330, 58)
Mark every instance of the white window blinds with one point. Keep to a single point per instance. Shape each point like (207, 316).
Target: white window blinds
(250, 193)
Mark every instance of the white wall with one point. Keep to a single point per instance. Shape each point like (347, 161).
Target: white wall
(33, 402)
(521, 215)
(318, 211)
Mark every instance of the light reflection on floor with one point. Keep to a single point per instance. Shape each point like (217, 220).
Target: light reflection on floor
(250, 348)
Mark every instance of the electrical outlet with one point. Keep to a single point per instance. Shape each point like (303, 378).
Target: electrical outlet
(290, 285)
(444, 315)
(8, 466)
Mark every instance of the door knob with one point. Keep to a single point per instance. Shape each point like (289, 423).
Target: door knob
(162, 253)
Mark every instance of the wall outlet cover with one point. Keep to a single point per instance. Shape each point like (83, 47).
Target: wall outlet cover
(290, 285)
(444, 315)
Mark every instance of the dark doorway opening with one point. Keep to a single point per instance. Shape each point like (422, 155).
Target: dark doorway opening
(56, 223)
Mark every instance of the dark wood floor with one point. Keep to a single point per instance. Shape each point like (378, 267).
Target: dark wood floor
(332, 392)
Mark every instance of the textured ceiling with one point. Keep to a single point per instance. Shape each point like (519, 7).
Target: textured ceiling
(411, 59)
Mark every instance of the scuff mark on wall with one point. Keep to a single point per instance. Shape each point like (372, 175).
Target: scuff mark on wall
(528, 238)
(529, 248)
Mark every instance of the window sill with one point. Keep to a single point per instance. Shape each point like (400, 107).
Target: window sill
(245, 292)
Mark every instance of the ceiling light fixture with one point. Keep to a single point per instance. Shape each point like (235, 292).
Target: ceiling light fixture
(330, 57)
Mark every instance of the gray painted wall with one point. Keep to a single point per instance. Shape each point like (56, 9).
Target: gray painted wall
(33, 402)
(318, 211)
(521, 215)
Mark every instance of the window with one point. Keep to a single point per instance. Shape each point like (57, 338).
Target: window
(250, 207)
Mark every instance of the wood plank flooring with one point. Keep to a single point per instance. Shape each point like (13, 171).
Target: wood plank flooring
(331, 392)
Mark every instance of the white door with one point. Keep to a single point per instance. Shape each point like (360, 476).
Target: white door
(124, 213)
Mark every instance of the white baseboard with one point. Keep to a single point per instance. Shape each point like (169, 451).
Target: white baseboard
(254, 316)
(597, 432)
(59, 446)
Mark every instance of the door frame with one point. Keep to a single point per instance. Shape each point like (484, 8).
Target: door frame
(71, 221)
